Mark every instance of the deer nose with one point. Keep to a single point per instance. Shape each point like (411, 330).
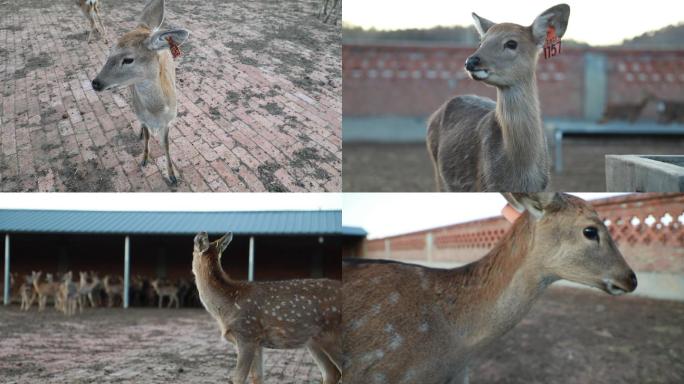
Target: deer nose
(472, 63)
(633, 280)
(97, 85)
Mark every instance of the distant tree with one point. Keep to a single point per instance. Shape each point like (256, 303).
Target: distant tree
(670, 37)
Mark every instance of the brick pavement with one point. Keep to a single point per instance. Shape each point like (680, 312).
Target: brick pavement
(259, 93)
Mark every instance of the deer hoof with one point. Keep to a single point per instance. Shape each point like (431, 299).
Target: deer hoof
(144, 162)
(173, 180)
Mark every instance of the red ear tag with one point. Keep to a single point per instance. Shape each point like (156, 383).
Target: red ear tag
(510, 213)
(552, 47)
(175, 49)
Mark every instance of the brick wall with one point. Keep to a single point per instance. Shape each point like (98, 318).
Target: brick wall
(412, 80)
(648, 228)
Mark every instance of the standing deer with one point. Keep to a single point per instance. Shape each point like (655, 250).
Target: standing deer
(91, 10)
(28, 295)
(278, 314)
(406, 324)
(166, 290)
(69, 295)
(113, 290)
(478, 145)
(141, 60)
(626, 111)
(45, 290)
(85, 289)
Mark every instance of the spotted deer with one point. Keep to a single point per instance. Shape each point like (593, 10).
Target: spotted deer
(112, 289)
(45, 290)
(91, 10)
(406, 324)
(476, 144)
(166, 290)
(142, 60)
(277, 314)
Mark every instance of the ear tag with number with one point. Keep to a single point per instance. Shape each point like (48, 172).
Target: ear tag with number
(552, 47)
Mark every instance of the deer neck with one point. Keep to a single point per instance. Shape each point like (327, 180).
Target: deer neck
(487, 298)
(211, 276)
(518, 115)
(158, 94)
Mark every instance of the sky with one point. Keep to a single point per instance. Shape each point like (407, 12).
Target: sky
(595, 22)
(173, 201)
(387, 214)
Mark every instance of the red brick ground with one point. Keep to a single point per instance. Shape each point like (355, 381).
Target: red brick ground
(259, 100)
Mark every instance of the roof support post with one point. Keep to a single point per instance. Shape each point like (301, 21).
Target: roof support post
(250, 272)
(127, 270)
(6, 281)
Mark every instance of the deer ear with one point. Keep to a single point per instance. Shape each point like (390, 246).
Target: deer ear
(153, 14)
(534, 203)
(481, 24)
(158, 40)
(224, 241)
(556, 17)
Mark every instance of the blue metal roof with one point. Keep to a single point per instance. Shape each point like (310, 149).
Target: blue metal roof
(120, 222)
(354, 231)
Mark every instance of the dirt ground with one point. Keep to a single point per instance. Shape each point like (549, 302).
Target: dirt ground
(570, 336)
(129, 346)
(407, 167)
(575, 336)
(259, 100)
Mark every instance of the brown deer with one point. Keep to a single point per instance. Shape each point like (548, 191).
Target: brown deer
(91, 10)
(670, 111)
(113, 290)
(141, 60)
(166, 290)
(406, 324)
(49, 288)
(277, 314)
(626, 111)
(478, 145)
(26, 290)
(68, 295)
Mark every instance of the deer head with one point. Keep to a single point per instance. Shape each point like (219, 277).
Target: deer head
(571, 242)
(205, 248)
(508, 52)
(135, 57)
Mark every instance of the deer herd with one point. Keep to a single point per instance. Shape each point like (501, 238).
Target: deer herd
(70, 296)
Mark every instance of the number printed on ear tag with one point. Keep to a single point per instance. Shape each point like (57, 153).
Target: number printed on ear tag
(552, 47)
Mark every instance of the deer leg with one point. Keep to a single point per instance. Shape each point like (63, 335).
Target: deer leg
(160, 301)
(324, 360)
(257, 371)
(99, 20)
(145, 133)
(92, 27)
(165, 139)
(246, 351)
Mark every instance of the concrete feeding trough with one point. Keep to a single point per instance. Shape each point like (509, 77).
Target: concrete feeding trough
(644, 173)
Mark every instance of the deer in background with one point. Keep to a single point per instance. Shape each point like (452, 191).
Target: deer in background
(278, 314)
(626, 111)
(166, 290)
(670, 111)
(86, 289)
(28, 295)
(113, 290)
(456, 314)
(478, 145)
(45, 290)
(69, 295)
(91, 10)
(141, 60)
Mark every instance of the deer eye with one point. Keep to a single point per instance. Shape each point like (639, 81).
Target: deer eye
(127, 60)
(511, 44)
(590, 233)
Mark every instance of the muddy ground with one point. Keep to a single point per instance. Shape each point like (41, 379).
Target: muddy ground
(129, 346)
(570, 336)
(371, 167)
